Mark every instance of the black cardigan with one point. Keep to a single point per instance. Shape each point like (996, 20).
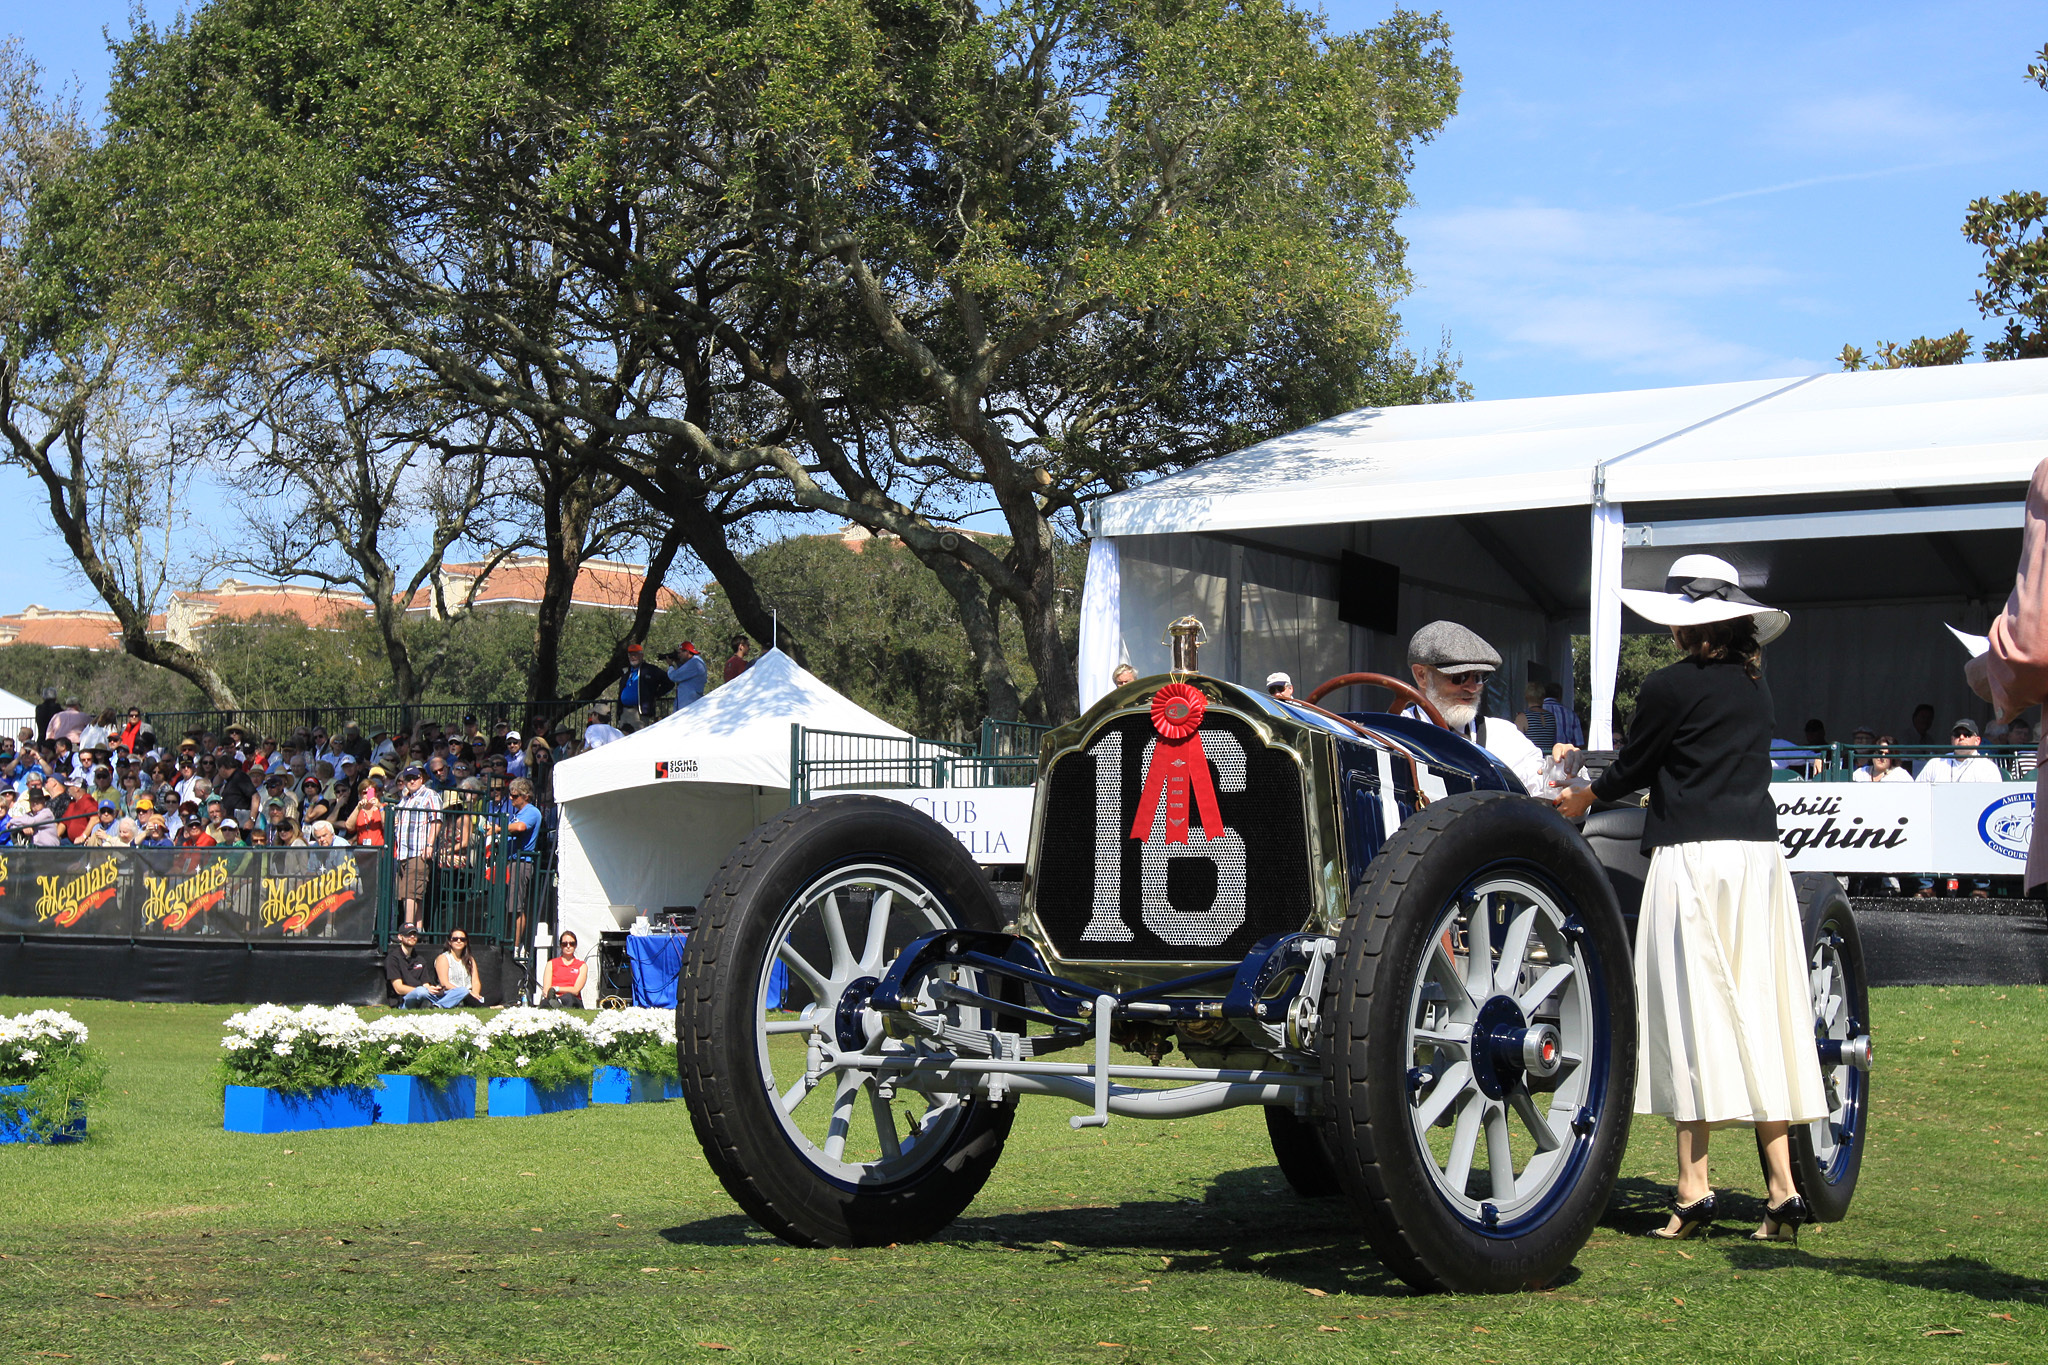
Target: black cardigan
(1701, 742)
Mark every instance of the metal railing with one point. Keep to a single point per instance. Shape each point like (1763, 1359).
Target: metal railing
(477, 882)
(281, 722)
(822, 761)
(1839, 762)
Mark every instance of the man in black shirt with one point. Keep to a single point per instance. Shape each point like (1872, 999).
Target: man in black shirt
(405, 970)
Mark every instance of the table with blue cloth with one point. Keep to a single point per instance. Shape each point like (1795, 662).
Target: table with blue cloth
(657, 959)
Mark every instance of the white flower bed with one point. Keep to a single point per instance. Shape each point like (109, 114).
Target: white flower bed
(33, 1043)
(308, 1048)
(614, 1031)
(436, 1046)
(548, 1047)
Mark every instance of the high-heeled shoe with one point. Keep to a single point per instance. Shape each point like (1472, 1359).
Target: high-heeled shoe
(1785, 1219)
(1692, 1218)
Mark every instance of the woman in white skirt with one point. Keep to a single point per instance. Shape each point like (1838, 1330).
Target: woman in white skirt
(1723, 1019)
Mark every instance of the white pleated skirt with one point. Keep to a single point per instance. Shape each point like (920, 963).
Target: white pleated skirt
(1724, 1021)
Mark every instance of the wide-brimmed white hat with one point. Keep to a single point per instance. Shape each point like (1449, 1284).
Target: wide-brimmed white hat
(1703, 588)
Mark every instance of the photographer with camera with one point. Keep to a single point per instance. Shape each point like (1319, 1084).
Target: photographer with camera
(687, 671)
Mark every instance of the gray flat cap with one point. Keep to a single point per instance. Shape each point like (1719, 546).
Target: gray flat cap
(1448, 646)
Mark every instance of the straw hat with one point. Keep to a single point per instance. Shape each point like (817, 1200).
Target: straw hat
(1703, 588)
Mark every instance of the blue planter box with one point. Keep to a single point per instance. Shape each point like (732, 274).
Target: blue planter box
(259, 1109)
(517, 1097)
(408, 1099)
(616, 1085)
(12, 1132)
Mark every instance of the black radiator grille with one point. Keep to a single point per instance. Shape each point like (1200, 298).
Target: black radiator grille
(1193, 902)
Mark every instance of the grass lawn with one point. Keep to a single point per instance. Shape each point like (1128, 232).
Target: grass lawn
(602, 1236)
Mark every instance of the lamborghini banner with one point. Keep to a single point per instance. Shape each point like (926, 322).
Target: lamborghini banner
(192, 893)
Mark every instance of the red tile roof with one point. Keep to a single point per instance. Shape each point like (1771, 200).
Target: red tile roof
(61, 629)
(518, 580)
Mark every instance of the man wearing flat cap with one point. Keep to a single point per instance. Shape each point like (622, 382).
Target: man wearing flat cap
(1451, 665)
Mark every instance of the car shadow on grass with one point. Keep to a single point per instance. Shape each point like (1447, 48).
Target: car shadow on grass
(1245, 1222)
(1946, 1275)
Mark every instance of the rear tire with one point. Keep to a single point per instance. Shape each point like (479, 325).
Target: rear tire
(1827, 1156)
(1418, 1036)
(1298, 1148)
(790, 893)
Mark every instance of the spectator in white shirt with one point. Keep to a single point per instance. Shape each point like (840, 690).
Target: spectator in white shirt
(600, 732)
(1882, 767)
(1965, 764)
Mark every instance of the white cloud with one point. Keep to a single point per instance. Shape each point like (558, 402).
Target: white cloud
(1627, 290)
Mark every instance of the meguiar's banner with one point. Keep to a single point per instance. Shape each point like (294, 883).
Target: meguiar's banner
(192, 893)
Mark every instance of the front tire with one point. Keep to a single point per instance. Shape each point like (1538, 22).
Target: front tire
(1483, 948)
(831, 890)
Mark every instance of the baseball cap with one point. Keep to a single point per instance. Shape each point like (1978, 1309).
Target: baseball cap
(107, 805)
(378, 771)
(1965, 726)
(408, 931)
(1278, 680)
(229, 824)
(144, 803)
(413, 770)
(511, 734)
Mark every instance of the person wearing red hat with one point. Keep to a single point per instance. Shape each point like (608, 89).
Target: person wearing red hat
(642, 687)
(687, 674)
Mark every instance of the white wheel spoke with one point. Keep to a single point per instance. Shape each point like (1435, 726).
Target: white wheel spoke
(1479, 951)
(1512, 950)
(1535, 1120)
(821, 990)
(1450, 1035)
(878, 931)
(773, 1027)
(1453, 1083)
(842, 1115)
(1464, 1138)
(1500, 1154)
(1828, 1008)
(1545, 987)
(794, 1096)
(835, 936)
(885, 1124)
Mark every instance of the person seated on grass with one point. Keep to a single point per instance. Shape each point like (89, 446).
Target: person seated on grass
(565, 977)
(406, 972)
(455, 969)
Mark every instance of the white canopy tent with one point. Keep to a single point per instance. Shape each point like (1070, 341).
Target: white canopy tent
(15, 712)
(1874, 506)
(647, 820)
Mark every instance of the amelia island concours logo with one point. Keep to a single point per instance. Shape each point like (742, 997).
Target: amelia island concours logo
(674, 767)
(2007, 825)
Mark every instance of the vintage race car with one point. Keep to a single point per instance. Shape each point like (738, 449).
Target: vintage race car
(1356, 921)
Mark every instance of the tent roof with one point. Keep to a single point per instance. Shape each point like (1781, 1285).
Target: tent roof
(738, 733)
(1828, 433)
(13, 707)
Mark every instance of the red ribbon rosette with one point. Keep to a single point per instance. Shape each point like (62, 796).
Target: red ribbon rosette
(1179, 768)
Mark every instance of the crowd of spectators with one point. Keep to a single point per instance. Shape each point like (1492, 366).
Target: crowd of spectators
(111, 780)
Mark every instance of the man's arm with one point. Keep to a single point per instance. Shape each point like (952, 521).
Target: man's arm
(2013, 673)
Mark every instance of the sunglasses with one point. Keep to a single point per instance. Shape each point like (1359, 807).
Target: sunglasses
(1961, 734)
(458, 938)
(1464, 679)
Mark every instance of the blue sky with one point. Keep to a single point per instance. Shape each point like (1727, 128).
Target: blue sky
(1631, 196)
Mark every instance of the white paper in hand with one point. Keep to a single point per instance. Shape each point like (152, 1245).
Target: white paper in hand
(1976, 644)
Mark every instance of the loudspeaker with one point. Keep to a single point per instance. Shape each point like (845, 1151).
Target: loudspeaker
(1369, 593)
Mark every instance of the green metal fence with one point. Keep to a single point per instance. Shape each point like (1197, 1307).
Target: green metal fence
(280, 723)
(1839, 762)
(822, 761)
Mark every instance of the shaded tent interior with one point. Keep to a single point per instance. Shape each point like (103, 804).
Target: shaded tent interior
(1877, 509)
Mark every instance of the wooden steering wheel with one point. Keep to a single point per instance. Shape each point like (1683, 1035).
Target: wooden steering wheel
(1395, 685)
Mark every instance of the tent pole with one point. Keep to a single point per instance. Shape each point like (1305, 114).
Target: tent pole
(1603, 616)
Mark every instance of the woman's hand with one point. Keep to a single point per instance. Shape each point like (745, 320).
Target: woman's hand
(1575, 802)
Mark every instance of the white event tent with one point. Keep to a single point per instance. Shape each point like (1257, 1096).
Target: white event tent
(647, 820)
(1873, 506)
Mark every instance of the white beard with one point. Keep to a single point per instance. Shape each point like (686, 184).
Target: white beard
(1457, 715)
